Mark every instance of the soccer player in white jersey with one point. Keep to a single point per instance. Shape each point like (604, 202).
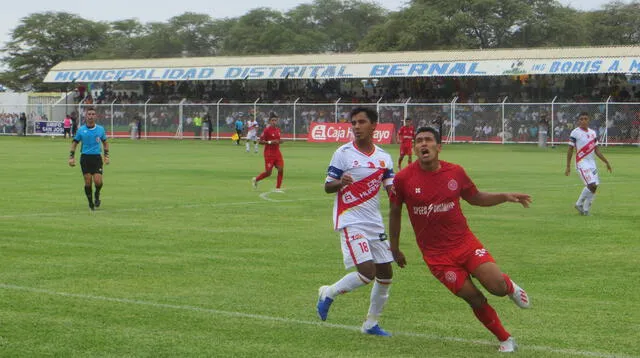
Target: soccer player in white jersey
(252, 134)
(356, 173)
(585, 141)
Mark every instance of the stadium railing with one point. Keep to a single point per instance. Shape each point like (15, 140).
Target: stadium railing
(617, 123)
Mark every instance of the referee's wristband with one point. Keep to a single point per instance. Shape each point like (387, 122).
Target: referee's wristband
(72, 154)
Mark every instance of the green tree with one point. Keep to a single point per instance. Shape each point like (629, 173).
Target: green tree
(260, 31)
(123, 40)
(198, 33)
(345, 23)
(42, 40)
(413, 29)
(616, 24)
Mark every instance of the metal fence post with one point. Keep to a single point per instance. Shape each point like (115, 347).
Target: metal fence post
(218, 119)
(606, 122)
(294, 117)
(146, 125)
(552, 129)
(112, 115)
(452, 128)
(336, 110)
(181, 118)
(406, 109)
(503, 119)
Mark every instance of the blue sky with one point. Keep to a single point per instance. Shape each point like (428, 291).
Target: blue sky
(147, 11)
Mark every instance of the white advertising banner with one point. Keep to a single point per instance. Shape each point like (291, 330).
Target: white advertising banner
(369, 70)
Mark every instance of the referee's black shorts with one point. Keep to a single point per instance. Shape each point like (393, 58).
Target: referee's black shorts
(91, 163)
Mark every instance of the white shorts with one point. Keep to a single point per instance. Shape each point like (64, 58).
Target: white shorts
(252, 136)
(361, 245)
(588, 174)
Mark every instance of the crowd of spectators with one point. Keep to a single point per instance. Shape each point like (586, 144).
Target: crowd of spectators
(479, 103)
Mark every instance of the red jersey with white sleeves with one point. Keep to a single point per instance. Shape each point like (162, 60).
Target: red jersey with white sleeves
(433, 203)
(406, 135)
(271, 133)
(357, 204)
(585, 142)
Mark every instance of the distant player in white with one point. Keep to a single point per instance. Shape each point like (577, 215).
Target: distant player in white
(585, 141)
(252, 134)
(357, 172)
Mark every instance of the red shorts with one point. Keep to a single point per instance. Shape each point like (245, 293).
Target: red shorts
(406, 149)
(273, 161)
(454, 266)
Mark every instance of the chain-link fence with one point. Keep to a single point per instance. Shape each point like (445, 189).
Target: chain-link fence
(543, 123)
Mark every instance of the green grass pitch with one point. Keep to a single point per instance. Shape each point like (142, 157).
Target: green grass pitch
(185, 259)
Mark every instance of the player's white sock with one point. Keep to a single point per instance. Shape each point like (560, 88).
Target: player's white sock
(348, 283)
(588, 201)
(583, 195)
(257, 146)
(379, 296)
(247, 146)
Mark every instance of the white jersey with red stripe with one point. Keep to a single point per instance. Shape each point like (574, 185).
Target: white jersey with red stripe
(252, 129)
(585, 142)
(357, 204)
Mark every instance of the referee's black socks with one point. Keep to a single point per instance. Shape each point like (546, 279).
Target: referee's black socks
(98, 188)
(87, 191)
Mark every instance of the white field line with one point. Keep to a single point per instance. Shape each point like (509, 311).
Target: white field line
(290, 321)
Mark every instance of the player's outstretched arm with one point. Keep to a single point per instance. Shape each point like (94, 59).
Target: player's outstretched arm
(491, 199)
(601, 156)
(395, 221)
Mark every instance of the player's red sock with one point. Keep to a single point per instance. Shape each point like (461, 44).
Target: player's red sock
(262, 176)
(507, 280)
(279, 181)
(488, 316)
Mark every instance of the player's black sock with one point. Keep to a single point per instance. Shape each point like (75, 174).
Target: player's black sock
(87, 191)
(97, 194)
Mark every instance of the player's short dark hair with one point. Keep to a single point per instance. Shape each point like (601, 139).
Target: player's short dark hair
(431, 130)
(408, 119)
(90, 109)
(273, 115)
(583, 114)
(372, 114)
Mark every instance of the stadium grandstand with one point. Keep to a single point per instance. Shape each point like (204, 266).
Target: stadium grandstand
(501, 96)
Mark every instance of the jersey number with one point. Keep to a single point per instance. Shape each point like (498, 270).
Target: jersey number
(363, 246)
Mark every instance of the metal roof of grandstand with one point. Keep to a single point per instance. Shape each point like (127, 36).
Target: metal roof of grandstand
(357, 58)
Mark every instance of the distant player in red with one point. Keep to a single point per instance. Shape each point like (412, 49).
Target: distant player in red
(270, 138)
(405, 138)
(431, 190)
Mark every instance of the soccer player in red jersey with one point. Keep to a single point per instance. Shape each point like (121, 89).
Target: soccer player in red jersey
(405, 137)
(270, 138)
(431, 189)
